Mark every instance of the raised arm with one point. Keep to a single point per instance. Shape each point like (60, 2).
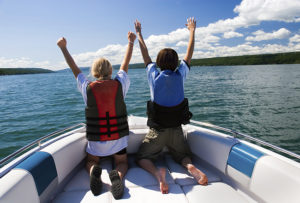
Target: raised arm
(127, 57)
(143, 47)
(62, 43)
(191, 26)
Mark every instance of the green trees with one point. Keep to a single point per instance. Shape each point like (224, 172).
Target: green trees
(280, 58)
(15, 71)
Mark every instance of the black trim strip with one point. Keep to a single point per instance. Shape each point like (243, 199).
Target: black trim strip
(107, 133)
(105, 118)
(107, 125)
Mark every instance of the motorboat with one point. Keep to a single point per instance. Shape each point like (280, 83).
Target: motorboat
(239, 168)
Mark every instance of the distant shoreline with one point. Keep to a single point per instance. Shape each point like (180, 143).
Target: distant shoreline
(261, 59)
(21, 71)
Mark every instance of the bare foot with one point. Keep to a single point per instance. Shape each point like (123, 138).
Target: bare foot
(164, 188)
(198, 175)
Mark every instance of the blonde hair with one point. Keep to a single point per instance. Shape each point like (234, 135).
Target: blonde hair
(101, 69)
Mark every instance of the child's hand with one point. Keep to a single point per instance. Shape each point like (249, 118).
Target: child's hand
(62, 42)
(131, 37)
(191, 24)
(138, 27)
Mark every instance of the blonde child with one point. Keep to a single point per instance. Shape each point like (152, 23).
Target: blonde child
(106, 116)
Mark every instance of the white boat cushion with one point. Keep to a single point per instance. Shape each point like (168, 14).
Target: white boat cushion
(238, 176)
(18, 186)
(160, 162)
(152, 194)
(67, 153)
(81, 181)
(137, 122)
(42, 168)
(136, 136)
(274, 180)
(83, 196)
(136, 194)
(137, 176)
(241, 162)
(212, 193)
(181, 175)
(211, 146)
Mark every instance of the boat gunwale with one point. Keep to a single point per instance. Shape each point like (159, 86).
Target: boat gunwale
(35, 146)
(248, 137)
(39, 141)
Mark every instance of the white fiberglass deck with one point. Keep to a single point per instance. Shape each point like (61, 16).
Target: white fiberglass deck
(140, 186)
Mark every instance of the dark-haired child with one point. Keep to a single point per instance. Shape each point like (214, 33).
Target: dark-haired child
(167, 109)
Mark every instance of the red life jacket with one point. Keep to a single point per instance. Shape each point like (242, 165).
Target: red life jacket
(106, 115)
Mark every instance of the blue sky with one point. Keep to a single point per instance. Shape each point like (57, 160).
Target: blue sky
(97, 28)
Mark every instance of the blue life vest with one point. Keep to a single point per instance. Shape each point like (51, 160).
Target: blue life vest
(168, 88)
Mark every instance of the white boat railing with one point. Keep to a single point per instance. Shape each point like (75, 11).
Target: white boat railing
(235, 134)
(38, 142)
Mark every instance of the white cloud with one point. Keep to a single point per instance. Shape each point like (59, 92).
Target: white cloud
(295, 39)
(22, 62)
(182, 44)
(255, 11)
(245, 49)
(232, 34)
(113, 53)
(261, 35)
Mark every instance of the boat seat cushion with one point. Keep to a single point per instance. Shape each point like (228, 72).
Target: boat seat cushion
(151, 194)
(274, 180)
(43, 170)
(243, 158)
(211, 146)
(67, 153)
(82, 196)
(181, 175)
(212, 193)
(241, 162)
(137, 176)
(135, 194)
(18, 184)
(140, 186)
(81, 181)
(136, 136)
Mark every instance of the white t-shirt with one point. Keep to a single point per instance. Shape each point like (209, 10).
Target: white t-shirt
(105, 148)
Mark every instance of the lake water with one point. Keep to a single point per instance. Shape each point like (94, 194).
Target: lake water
(262, 101)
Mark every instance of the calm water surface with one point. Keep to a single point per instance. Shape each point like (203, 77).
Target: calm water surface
(263, 101)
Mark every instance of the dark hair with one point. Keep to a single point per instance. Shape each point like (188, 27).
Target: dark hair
(167, 59)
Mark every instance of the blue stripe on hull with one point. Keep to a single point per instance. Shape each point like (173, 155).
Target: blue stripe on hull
(243, 158)
(42, 167)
